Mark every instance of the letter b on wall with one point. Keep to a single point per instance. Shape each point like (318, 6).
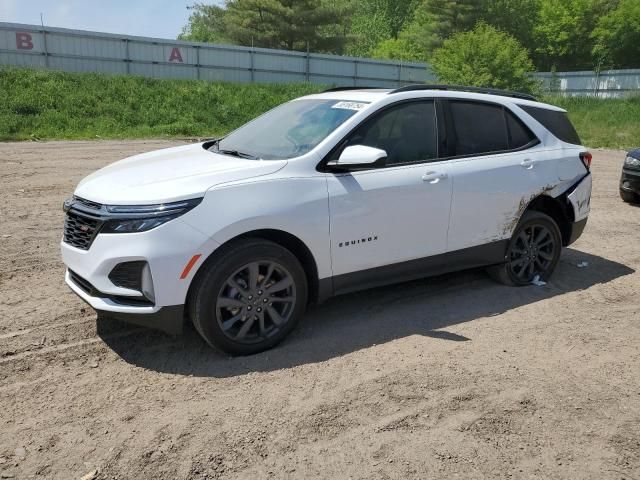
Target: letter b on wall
(24, 41)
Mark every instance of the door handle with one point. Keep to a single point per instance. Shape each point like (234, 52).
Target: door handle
(433, 177)
(527, 164)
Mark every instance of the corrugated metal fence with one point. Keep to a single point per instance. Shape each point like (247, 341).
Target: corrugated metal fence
(605, 84)
(84, 51)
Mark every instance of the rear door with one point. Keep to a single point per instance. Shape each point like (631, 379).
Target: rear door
(497, 167)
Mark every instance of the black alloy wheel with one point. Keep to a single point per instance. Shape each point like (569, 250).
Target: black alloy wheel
(255, 302)
(534, 251)
(248, 296)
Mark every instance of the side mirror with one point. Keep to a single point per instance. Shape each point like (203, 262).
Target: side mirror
(359, 157)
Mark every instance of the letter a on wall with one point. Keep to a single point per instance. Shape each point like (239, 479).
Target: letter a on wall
(24, 41)
(175, 56)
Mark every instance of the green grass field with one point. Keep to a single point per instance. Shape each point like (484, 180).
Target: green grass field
(44, 104)
(604, 123)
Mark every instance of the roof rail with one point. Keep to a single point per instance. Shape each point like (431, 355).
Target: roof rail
(461, 88)
(345, 89)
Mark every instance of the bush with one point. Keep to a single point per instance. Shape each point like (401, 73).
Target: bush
(398, 49)
(485, 57)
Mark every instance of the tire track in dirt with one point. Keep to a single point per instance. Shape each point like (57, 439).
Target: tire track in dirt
(65, 346)
(430, 379)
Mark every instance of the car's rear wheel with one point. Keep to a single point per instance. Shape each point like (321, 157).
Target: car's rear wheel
(629, 197)
(249, 298)
(533, 251)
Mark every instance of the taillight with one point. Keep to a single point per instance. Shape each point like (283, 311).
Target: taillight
(586, 158)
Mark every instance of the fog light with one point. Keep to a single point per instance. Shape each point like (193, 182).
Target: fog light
(134, 276)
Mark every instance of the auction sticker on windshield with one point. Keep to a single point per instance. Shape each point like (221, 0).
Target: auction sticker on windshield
(350, 105)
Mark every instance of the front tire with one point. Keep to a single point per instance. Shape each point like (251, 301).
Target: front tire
(249, 297)
(629, 197)
(534, 250)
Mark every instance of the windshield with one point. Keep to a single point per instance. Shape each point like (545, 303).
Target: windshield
(289, 130)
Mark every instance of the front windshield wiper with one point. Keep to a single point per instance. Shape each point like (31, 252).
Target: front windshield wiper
(215, 147)
(236, 153)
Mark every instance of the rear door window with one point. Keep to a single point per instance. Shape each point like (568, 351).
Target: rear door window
(478, 128)
(557, 123)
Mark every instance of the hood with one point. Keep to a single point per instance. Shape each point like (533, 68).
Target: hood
(168, 175)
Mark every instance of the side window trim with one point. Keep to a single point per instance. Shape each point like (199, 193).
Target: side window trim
(321, 167)
(451, 137)
(441, 128)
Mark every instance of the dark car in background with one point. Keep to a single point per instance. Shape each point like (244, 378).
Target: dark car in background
(630, 179)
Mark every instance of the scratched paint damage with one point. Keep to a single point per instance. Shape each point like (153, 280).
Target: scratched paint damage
(511, 220)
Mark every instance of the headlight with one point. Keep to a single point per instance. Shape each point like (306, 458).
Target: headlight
(631, 162)
(130, 226)
(141, 218)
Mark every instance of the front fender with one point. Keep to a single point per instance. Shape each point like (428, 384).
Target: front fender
(298, 206)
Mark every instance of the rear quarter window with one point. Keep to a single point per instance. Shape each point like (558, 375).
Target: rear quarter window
(519, 134)
(557, 123)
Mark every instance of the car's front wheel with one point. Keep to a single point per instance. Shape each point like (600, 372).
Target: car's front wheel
(249, 297)
(533, 251)
(629, 197)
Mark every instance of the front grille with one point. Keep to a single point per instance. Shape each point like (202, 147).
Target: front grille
(128, 275)
(80, 230)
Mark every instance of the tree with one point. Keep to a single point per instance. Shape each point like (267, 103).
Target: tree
(437, 20)
(368, 30)
(515, 17)
(398, 49)
(378, 21)
(617, 37)
(563, 33)
(484, 57)
(286, 24)
(397, 12)
(206, 24)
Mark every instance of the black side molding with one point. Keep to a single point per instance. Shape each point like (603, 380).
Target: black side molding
(481, 256)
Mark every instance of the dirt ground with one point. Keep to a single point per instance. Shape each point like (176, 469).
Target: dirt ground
(451, 377)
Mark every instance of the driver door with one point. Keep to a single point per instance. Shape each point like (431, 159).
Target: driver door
(393, 214)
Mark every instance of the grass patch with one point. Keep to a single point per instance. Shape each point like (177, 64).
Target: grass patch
(46, 104)
(604, 123)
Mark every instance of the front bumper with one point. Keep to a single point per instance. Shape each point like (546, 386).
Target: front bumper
(167, 249)
(630, 181)
(576, 230)
(169, 319)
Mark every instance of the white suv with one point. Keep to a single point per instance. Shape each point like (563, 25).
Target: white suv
(324, 195)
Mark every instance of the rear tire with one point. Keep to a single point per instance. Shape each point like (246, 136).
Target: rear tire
(629, 197)
(249, 297)
(534, 250)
